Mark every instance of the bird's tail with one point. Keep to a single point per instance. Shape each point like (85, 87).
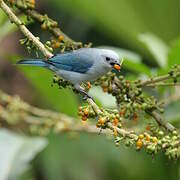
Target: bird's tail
(33, 62)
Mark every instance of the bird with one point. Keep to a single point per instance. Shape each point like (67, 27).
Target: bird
(79, 66)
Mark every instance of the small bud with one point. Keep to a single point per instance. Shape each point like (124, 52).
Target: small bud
(139, 143)
(141, 136)
(60, 38)
(160, 133)
(154, 139)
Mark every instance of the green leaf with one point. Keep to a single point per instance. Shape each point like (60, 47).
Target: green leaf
(16, 153)
(156, 47)
(136, 67)
(2, 17)
(7, 27)
(174, 53)
(172, 111)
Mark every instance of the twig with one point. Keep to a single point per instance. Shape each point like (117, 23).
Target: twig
(13, 18)
(161, 121)
(163, 84)
(156, 79)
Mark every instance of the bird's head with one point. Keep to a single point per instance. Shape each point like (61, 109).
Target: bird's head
(111, 59)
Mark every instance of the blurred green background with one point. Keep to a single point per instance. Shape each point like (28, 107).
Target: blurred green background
(145, 33)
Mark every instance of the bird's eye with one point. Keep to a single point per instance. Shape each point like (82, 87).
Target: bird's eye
(108, 59)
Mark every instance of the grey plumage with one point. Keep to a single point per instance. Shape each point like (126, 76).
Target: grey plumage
(86, 64)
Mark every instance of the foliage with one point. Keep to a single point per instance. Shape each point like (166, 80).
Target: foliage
(146, 134)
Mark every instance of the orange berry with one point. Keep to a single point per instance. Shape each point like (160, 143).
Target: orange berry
(56, 45)
(139, 143)
(105, 89)
(115, 122)
(101, 121)
(86, 111)
(32, 1)
(147, 137)
(141, 136)
(60, 38)
(84, 118)
(148, 128)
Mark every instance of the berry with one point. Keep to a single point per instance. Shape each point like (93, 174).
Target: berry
(139, 143)
(60, 38)
(141, 136)
(84, 118)
(115, 122)
(101, 121)
(147, 137)
(86, 111)
(154, 139)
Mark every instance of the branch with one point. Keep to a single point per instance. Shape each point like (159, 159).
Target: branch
(13, 18)
(161, 121)
(151, 112)
(152, 81)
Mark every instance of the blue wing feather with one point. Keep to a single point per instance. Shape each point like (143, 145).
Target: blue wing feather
(73, 61)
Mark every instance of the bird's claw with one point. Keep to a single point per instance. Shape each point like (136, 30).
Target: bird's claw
(86, 96)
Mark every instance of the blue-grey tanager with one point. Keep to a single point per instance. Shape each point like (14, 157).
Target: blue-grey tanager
(85, 64)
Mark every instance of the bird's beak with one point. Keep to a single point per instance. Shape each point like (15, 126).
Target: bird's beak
(117, 67)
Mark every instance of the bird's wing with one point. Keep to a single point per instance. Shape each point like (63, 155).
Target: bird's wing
(73, 61)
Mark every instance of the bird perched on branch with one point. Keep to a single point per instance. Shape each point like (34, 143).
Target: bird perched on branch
(82, 65)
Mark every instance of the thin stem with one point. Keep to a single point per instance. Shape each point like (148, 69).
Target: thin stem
(156, 79)
(161, 121)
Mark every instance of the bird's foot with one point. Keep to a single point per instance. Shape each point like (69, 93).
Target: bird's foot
(86, 96)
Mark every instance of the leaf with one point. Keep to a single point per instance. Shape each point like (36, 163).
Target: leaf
(7, 27)
(16, 153)
(174, 53)
(2, 17)
(157, 48)
(136, 67)
(172, 111)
